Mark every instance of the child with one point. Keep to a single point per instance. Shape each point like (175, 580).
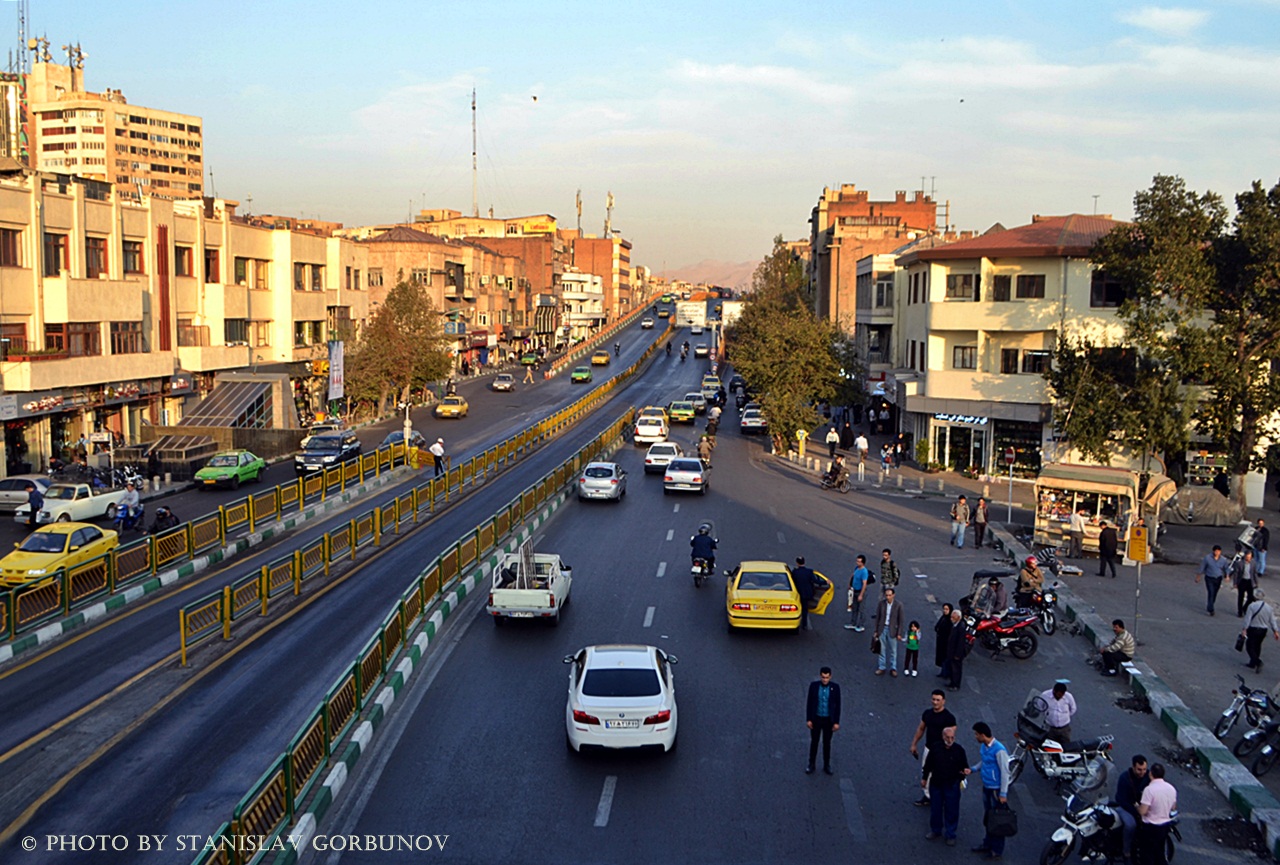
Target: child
(912, 665)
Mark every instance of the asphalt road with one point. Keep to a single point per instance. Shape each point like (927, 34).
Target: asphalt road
(475, 748)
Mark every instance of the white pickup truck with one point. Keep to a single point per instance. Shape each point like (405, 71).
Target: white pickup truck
(75, 502)
(529, 585)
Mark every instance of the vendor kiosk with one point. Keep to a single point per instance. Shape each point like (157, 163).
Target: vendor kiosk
(1119, 496)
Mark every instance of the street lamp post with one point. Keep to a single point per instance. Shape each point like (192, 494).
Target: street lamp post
(408, 423)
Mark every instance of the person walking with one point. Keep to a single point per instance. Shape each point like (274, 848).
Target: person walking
(890, 631)
(941, 636)
(911, 665)
(1075, 534)
(1258, 619)
(1128, 794)
(822, 717)
(944, 768)
(884, 419)
(1061, 708)
(437, 454)
(980, 519)
(528, 374)
(1159, 801)
(933, 722)
(857, 593)
(957, 650)
(35, 501)
(846, 436)
(889, 573)
(1108, 546)
(993, 761)
(833, 441)
(1119, 650)
(1244, 572)
(1213, 570)
(804, 578)
(959, 522)
(862, 446)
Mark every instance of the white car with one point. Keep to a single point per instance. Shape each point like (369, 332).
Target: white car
(646, 323)
(13, 490)
(699, 401)
(602, 481)
(621, 696)
(695, 330)
(752, 421)
(649, 430)
(504, 381)
(660, 454)
(701, 350)
(686, 473)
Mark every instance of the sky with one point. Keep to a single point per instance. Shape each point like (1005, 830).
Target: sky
(715, 125)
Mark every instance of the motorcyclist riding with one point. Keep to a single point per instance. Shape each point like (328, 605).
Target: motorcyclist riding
(1030, 580)
(668, 349)
(704, 546)
(129, 505)
(836, 472)
(165, 519)
(616, 348)
(704, 450)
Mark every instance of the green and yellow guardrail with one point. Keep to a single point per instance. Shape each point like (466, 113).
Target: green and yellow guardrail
(278, 796)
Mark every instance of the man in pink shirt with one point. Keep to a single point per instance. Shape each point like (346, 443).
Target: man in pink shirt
(1156, 808)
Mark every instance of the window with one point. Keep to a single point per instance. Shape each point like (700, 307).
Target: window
(95, 257)
(419, 276)
(259, 333)
(884, 292)
(355, 279)
(299, 276)
(131, 257)
(307, 333)
(317, 277)
(126, 337)
(1001, 288)
(182, 261)
(347, 280)
(340, 323)
(235, 330)
(961, 286)
(1036, 361)
(1031, 285)
(964, 357)
(10, 247)
(76, 338)
(375, 277)
(192, 335)
(1105, 291)
(1009, 359)
(211, 270)
(13, 339)
(262, 275)
(241, 266)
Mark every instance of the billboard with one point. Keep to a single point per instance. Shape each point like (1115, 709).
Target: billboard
(336, 372)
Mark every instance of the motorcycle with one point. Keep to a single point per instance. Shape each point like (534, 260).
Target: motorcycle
(1255, 704)
(1055, 761)
(840, 484)
(1263, 737)
(703, 566)
(1043, 604)
(1015, 631)
(1088, 820)
(130, 518)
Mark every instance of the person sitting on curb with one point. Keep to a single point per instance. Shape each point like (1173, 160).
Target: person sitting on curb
(1119, 650)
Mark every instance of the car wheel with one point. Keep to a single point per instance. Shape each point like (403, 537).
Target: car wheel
(66, 518)
(554, 621)
(111, 511)
(497, 621)
(257, 476)
(703, 490)
(674, 742)
(235, 482)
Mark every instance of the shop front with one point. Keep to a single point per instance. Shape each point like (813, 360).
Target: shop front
(961, 442)
(1116, 496)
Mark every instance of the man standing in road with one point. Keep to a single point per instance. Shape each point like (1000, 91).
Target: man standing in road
(944, 769)
(889, 573)
(861, 445)
(1075, 535)
(994, 764)
(933, 721)
(833, 442)
(959, 522)
(804, 579)
(957, 650)
(437, 454)
(980, 519)
(1261, 538)
(891, 629)
(1156, 808)
(1108, 547)
(1213, 569)
(857, 592)
(1244, 572)
(1061, 705)
(822, 717)
(35, 501)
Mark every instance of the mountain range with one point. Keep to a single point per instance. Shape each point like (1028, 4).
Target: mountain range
(708, 272)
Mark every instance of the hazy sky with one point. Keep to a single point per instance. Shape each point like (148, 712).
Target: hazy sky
(715, 125)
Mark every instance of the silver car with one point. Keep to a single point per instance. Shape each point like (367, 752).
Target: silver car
(503, 381)
(699, 401)
(13, 490)
(686, 473)
(602, 481)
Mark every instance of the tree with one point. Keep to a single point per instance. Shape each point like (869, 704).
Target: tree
(1202, 301)
(783, 349)
(401, 350)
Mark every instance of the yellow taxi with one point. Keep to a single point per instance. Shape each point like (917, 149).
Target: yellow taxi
(601, 358)
(452, 406)
(762, 594)
(654, 411)
(53, 547)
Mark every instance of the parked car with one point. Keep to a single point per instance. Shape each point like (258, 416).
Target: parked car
(581, 373)
(326, 451)
(601, 358)
(752, 422)
(231, 469)
(503, 381)
(13, 490)
(602, 480)
(659, 454)
(452, 406)
(686, 473)
(50, 548)
(621, 696)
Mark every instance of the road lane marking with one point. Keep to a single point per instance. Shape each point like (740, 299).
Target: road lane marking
(782, 539)
(606, 801)
(671, 533)
(852, 813)
(648, 617)
(675, 509)
(662, 568)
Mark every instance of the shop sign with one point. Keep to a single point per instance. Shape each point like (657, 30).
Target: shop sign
(180, 383)
(8, 406)
(337, 369)
(455, 328)
(122, 392)
(50, 402)
(968, 419)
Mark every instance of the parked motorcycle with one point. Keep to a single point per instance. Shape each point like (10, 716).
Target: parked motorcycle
(1056, 761)
(1015, 631)
(1254, 703)
(1089, 821)
(1269, 739)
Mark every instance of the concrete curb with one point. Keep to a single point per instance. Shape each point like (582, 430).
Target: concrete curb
(54, 630)
(815, 465)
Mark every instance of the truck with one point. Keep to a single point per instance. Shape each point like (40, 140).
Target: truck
(691, 313)
(77, 503)
(529, 585)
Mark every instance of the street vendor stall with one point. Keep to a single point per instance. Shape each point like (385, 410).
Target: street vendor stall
(1119, 496)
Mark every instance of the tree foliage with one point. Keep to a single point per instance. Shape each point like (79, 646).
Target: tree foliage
(1203, 299)
(788, 354)
(402, 348)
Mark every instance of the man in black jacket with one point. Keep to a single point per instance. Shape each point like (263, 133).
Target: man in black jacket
(822, 717)
(804, 579)
(1108, 547)
(943, 770)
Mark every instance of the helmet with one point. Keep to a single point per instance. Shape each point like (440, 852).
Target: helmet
(994, 581)
(1032, 561)
(703, 530)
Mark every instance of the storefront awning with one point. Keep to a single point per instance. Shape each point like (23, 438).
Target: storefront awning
(1094, 479)
(227, 404)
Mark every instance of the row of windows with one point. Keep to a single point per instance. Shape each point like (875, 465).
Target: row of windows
(1104, 292)
(1012, 360)
(84, 338)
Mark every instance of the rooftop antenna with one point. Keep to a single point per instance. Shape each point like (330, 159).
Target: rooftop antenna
(248, 200)
(475, 198)
(213, 189)
(23, 45)
(608, 215)
(1095, 205)
(578, 201)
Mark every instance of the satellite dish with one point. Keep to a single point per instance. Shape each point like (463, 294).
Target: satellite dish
(31, 43)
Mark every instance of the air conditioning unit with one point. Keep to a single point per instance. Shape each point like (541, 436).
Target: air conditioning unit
(484, 280)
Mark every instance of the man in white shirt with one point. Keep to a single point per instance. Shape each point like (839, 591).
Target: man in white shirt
(1075, 534)
(437, 453)
(861, 445)
(1061, 708)
(1156, 808)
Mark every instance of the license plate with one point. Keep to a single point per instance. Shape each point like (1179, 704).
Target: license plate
(625, 724)
(210, 482)
(524, 614)
(765, 608)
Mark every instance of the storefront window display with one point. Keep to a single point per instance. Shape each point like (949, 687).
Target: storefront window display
(1024, 438)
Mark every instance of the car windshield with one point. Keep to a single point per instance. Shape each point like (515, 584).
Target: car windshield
(44, 542)
(650, 421)
(694, 397)
(60, 493)
(453, 400)
(662, 450)
(682, 406)
(325, 443)
(623, 682)
(393, 438)
(222, 461)
(598, 472)
(685, 466)
(768, 581)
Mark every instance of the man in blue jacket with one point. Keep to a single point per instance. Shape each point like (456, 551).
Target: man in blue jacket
(822, 717)
(994, 765)
(35, 501)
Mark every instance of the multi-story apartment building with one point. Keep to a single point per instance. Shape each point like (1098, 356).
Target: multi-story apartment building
(583, 298)
(610, 259)
(977, 322)
(846, 226)
(115, 312)
(143, 151)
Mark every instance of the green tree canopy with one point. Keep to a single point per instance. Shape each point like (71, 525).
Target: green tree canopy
(402, 349)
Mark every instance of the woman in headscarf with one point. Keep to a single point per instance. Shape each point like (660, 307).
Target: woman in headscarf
(942, 630)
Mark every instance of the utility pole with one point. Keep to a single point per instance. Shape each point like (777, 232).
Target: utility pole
(475, 196)
(578, 201)
(608, 215)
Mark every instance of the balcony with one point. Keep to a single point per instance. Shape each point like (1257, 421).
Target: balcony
(1011, 316)
(52, 372)
(971, 384)
(208, 358)
(69, 299)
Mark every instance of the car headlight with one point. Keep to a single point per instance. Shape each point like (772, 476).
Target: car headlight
(329, 459)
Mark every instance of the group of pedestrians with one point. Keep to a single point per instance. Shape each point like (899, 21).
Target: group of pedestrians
(963, 516)
(1244, 570)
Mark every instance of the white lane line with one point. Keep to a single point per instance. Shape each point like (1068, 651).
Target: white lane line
(671, 533)
(782, 539)
(662, 568)
(648, 617)
(852, 812)
(675, 509)
(606, 801)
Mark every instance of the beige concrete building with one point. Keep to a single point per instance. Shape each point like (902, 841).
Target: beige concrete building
(143, 151)
(583, 298)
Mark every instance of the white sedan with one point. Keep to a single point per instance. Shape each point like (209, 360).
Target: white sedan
(700, 350)
(686, 473)
(621, 696)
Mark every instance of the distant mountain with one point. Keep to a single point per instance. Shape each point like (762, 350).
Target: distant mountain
(726, 273)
